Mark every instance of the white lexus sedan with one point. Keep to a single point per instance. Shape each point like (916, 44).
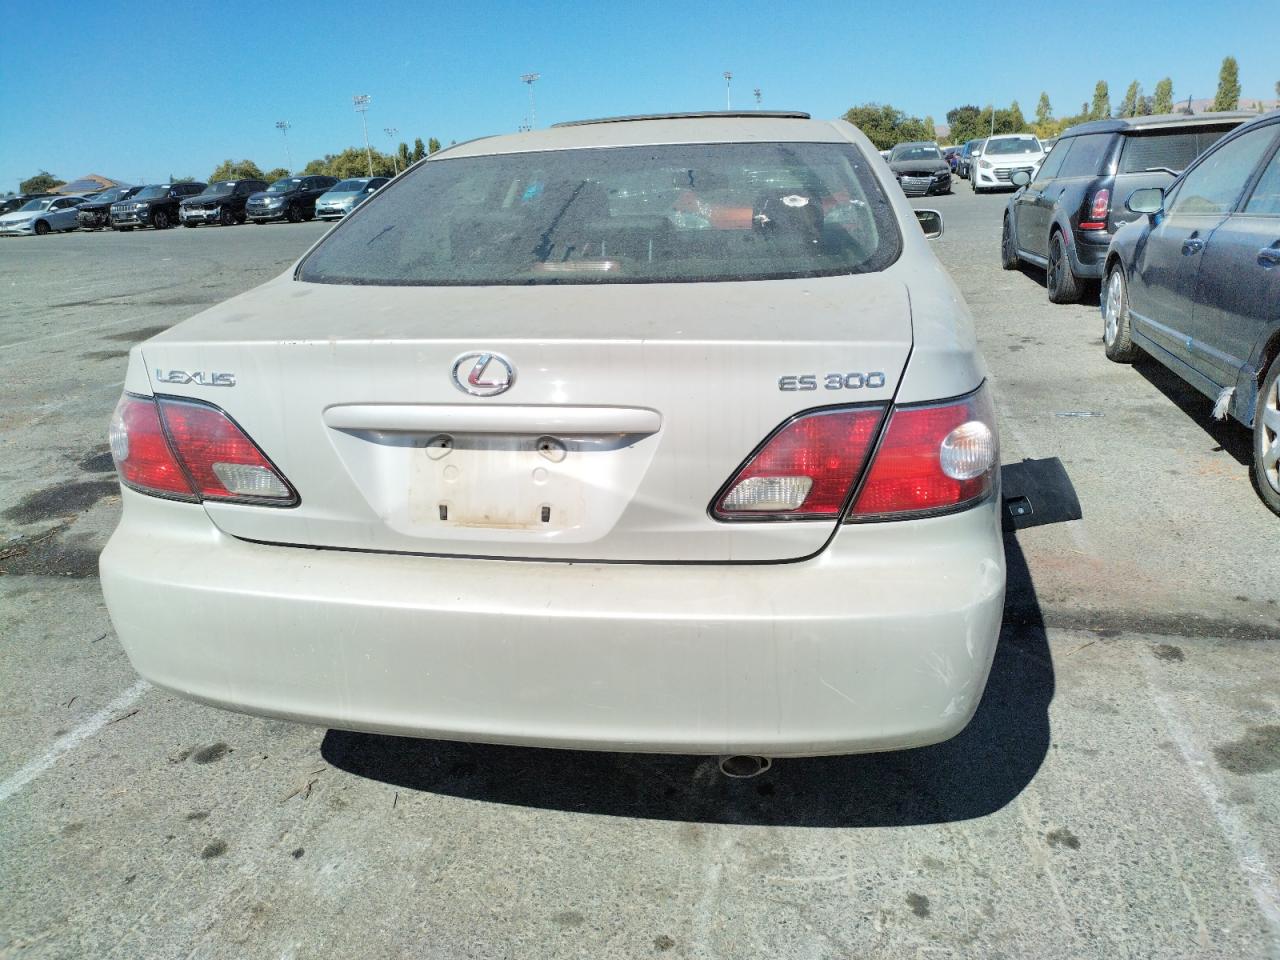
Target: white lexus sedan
(663, 434)
(1001, 156)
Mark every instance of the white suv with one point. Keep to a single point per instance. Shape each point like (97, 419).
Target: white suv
(1000, 157)
(666, 434)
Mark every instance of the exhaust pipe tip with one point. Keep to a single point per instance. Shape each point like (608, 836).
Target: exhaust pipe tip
(742, 767)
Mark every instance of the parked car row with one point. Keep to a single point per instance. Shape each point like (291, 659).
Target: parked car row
(1179, 218)
(163, 205)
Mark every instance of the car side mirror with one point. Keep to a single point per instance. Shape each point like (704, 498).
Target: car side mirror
(930, 223)
(1020, 178)
(1147, 200)
(976, 153)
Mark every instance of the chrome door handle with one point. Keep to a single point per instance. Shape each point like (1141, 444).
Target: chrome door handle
(1192, 245)
(1268, 257)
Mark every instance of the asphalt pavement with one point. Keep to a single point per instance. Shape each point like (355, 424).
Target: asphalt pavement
(1116, 796)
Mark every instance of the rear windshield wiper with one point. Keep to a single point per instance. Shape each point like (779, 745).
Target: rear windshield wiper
(1172, 173)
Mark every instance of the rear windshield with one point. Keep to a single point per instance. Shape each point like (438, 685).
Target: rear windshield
(1173, 150)
(349, 186)
(656, 214)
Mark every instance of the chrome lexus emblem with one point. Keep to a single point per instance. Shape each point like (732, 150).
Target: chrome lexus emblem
(483, 374)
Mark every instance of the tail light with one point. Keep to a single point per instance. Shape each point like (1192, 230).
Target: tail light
(1098, 208)
(934, 458)
(187, 450)
(931, 458)
(805, 469)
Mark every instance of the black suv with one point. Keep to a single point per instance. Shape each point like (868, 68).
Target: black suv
(1064, 218)
(290, 198)
(222, 202)
(153, 206)
(96, 211)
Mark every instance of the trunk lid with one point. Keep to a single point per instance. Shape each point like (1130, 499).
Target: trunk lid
(628, 411)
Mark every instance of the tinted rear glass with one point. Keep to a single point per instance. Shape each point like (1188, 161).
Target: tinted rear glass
(658, 214)
(1174, 149)
(1086, 155)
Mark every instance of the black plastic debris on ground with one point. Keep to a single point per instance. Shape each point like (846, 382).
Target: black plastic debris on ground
(1036, 492)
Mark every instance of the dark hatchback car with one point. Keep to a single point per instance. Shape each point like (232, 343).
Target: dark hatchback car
(152, 206)
(95, 213)
(10, 204)
(1195, 283)
(920, 169)
(1064, 219)
(967, 155)
(289, 198)
(222, 202)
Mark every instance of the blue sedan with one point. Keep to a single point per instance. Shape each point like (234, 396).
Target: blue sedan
(1194, 282)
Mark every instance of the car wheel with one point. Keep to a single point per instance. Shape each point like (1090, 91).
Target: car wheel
(1008, 251)
(1061, 283)
(292, 214)
(160, 220)
(1266, 437)
(1116, 338)
(41, 228)
(225, 217)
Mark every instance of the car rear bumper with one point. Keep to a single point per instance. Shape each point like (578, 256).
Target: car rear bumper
(882, 641)
(1089, 253)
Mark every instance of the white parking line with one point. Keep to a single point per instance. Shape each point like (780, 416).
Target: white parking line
(70, 741)
(1253, 865)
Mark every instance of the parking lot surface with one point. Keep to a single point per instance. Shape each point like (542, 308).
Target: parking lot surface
(1117, 794)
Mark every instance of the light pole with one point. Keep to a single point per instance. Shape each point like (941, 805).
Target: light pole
(757, 93)
(283, 127)
(529, 79)
(361, 101)
(395, 163)
(728, 75)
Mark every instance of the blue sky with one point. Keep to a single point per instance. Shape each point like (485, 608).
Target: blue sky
(140, 90)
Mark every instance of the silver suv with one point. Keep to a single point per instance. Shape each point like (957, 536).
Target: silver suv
(664, 434)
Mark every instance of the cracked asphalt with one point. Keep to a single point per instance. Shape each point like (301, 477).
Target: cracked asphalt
(1116, 796)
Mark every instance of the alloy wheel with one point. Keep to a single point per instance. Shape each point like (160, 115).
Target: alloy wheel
(1269, 454)
(1111, 316)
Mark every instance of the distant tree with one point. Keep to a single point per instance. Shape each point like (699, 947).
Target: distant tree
(1228, 96)
(965, 123)
(885, 125)
(1144, 107)
(1163, 100)
(318, 168)
(1100, 109)
(403, 156)
(279, 173)
(42, 182)
(235, 170)
(419, 150)
(173, 179)
(1044, 112)
(433, 145)
(1129, 105)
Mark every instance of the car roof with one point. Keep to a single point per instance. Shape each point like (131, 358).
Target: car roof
(709, 127)
(1013, 136)
(1157, 121)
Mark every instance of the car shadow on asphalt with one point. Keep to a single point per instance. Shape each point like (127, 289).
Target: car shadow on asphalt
(1228, 435)
(974, 774)
(1090, 293)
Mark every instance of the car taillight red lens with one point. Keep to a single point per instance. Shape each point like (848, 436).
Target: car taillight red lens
(192, 450)
(932, 459)
(141, 452)
(805, 470)
(1098, 208)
